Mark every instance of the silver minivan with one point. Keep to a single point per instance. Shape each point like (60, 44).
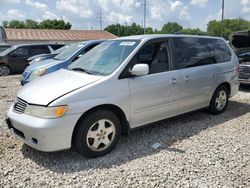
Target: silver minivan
(120, 85)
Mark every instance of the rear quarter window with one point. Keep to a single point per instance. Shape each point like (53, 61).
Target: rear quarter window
(194, 51)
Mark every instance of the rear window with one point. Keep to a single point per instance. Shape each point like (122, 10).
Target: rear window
(56, 46)
(193, 51)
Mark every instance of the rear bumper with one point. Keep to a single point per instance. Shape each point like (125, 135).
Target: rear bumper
(42, 134)
(244, 81)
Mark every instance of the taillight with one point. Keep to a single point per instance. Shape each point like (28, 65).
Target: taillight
(238, 69)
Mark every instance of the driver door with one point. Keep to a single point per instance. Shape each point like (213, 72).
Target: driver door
(154, 96)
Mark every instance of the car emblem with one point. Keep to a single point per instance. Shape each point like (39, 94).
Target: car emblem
(241, 69)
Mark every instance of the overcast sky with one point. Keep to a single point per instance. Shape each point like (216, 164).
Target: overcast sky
(83, 14)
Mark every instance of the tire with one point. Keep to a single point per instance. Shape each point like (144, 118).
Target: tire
(97, 134)
(4, 70)
(219, 100)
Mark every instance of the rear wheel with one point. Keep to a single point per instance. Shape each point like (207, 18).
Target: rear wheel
(97, 134)
(219, 100)
(4, 70)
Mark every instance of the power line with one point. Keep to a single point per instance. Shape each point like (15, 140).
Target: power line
(222, 18)
(145, 16)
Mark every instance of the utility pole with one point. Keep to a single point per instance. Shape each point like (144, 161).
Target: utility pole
(100, 17)
(222, 18)
(145, 16)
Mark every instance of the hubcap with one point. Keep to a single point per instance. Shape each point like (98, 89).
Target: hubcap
(100, 135)
(221, 100)
(4, 71)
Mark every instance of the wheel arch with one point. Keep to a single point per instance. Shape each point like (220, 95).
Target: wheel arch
(113, 108)
(9, 66)
(228, 86)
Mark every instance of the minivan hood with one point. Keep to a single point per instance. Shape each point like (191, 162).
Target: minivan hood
(50, 87)
(43, 64)
(240, 40)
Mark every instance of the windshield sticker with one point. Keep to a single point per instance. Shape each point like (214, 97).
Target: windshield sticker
(129, 43)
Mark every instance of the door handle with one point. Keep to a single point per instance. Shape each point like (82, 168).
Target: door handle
(187, 78)
(173, 81)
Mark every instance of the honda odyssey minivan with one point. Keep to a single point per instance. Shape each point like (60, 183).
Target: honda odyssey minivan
(120, 85)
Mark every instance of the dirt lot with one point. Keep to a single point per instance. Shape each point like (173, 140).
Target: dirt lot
(197, 150)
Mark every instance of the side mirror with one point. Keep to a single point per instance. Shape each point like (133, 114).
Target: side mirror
(140, 70)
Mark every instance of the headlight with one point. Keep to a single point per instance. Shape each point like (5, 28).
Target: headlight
(46, 112)
(37, 73)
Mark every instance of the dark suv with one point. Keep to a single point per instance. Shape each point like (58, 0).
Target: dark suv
(240, 41)
(15, 58)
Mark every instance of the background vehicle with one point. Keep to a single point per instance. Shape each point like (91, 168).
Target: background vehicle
(4, 46)
(15, 58)
(62, 60)
(123, 84)
(240, 41)
(41, 57)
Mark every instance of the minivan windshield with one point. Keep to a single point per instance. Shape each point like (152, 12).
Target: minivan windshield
(105, 58)
(65, 54)
(8, 50)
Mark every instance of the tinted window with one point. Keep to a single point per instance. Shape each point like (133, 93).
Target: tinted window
(156, 56)
(56, 46)
(192, 51)
(244, 57)
(21, 51)
(35, 50)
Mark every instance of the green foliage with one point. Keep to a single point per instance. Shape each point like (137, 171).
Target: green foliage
(229, 26)
(31, 24)
(171, 28)
(54, 24)
(190, 31)
(122, 30)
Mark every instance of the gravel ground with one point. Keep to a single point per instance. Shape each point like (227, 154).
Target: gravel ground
(197, 150)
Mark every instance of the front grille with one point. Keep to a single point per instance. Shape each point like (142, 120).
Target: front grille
(20, 106)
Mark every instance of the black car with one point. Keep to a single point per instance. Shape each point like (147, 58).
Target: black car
(240, 41)
(15, 58)
(41, 57)
(4, 46)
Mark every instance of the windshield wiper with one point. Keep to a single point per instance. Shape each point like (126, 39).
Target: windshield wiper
(82, 70)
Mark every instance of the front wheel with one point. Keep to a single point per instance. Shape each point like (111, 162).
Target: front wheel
(4, 70)
(219, 100)
(97, 134)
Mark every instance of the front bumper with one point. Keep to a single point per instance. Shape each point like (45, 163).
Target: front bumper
(43, 134)
(23, 82)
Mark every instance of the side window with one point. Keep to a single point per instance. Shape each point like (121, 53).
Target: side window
(35, 50)
(21, 52)
(192, 51)
(220, 51)
(156, 56)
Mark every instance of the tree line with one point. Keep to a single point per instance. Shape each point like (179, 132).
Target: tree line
(31, 24)
(213, 27)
